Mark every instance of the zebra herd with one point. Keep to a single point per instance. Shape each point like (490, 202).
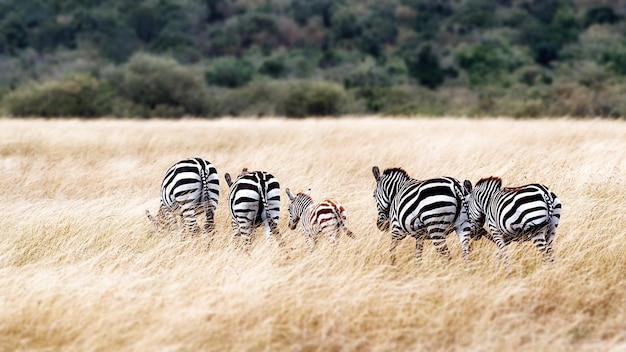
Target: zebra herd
(423, 209)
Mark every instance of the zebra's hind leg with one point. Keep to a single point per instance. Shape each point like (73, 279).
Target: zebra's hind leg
(392, 250)
(439, 240)
(272, 232)
(396, 235)
(310, 241)
(539, 240)
(209, 221)
(464, 239)
(501, 253)
(245, 233)
(419, 248)
(153, 222)
(333, 236)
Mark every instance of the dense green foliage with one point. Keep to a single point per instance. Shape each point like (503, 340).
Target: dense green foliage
(312, 57)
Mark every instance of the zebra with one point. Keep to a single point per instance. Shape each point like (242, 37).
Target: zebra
(190, 187)
(254, 199)
(327, 217)
(531, 212)
(432, 207)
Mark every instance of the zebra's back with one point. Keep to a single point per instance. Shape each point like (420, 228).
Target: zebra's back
(324, 217)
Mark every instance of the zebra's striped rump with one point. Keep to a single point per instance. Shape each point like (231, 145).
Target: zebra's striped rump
(253, 200)
(531, 212)
(324, 218)
(189, 188)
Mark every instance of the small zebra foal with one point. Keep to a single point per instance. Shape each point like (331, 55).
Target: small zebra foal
(531, 212)
(323, 218)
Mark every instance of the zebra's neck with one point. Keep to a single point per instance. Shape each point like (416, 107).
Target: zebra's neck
(487, 195)
(302, 204)
(396, 183)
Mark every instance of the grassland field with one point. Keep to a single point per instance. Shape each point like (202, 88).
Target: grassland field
(79, 271)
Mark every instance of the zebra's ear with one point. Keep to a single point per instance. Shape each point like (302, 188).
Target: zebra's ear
(468, 185)
(289, 194)
(308, 192)
(376, 173)
(229, 181)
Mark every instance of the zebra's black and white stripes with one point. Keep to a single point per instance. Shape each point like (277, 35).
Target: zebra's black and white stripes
(430, 208)
(254, 199)
(324, 218)
(190, 187)
(530, 212)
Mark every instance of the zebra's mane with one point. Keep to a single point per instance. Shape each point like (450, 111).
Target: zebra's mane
(495, 179)
(304, 195)
(394, 170)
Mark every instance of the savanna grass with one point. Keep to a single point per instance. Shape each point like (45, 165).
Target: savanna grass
(79, 271)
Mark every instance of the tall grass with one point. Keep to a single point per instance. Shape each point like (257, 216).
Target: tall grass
(79, 272)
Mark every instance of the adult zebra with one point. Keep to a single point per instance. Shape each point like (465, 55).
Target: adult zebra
(324, 218)
(254, 199)
(432, 208)
(190, 187)
(530, 212)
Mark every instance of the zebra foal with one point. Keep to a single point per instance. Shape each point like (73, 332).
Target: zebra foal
(531, 212)
(254, 199)
(324, 218)
(190, 187)
(430, 208)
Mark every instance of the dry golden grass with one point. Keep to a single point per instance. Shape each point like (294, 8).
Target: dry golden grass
(78, 271)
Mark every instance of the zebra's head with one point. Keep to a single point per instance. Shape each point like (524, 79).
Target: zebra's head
(387, 186)
(229, 180)
(297, 204)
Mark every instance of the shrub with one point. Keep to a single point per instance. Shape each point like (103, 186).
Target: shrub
(382, 99)
(78, 95)
(423, 65)
(158, 85)
(274, 67)
(229, 72)
(601, 14)
(314, 99)
(259, 98)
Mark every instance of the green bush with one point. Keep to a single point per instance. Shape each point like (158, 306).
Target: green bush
(381, 99)
(229, 72)
(78, 95)
(317, 98)
(259, 98)
(274, 67)
(424, 66)
(154, 86)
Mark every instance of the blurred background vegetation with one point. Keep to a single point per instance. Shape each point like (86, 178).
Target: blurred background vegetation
(172, 58)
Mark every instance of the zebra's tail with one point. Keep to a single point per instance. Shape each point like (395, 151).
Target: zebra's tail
(553, 202)
(273, 226)
(204, 196)
(461, 193)
(342, 220)
(266, 208)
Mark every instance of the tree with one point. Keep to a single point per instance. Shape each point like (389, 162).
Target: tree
(423, 65)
